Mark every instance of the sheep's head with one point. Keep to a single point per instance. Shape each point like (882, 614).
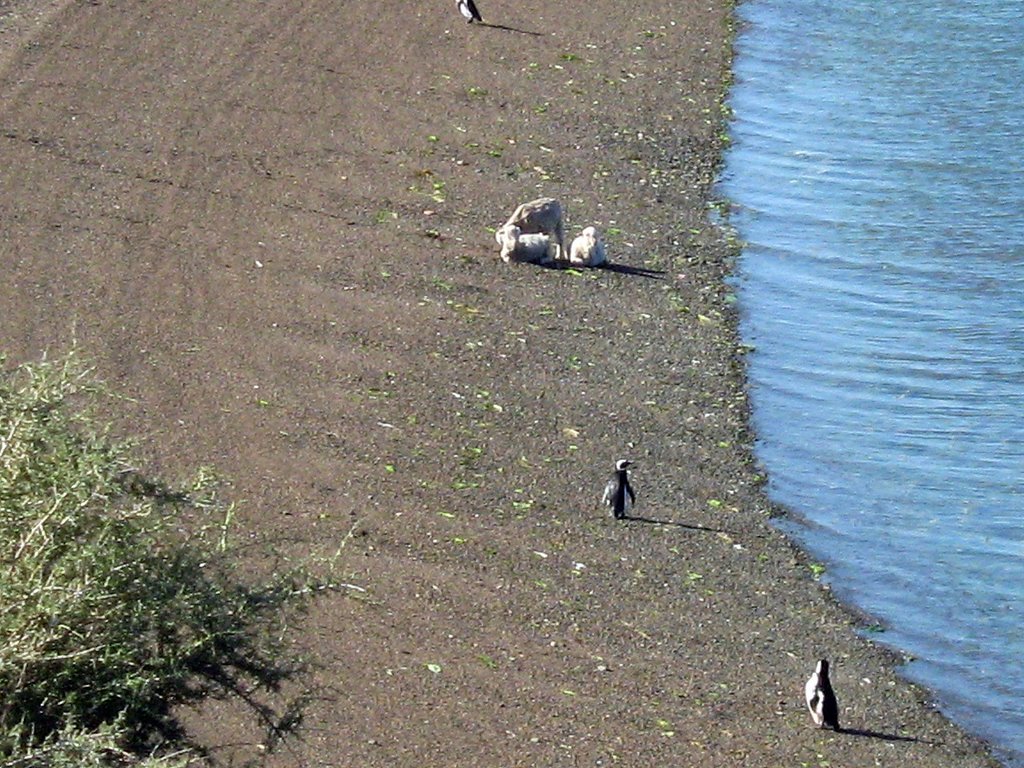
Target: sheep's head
(590, 232)
(507, 236)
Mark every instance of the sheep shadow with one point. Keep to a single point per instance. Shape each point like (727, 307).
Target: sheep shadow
(505, 28)
(622, 269)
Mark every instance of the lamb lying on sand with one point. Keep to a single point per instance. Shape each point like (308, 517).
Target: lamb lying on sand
(587, 249)
(525, 248)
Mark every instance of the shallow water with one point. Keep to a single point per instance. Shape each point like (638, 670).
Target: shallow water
(876, 177)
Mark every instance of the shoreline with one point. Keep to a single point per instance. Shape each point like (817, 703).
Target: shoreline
(315, 306)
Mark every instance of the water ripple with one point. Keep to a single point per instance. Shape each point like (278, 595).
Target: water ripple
(875, 174)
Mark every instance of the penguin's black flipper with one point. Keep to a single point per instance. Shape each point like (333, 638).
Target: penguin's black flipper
(470, 6)
(829, 708)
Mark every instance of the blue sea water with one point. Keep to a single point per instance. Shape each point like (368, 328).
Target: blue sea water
(877, 180)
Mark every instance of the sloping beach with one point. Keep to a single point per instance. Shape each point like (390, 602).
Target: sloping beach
(270, 226)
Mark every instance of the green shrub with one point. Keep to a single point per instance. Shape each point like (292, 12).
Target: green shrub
(117, 600)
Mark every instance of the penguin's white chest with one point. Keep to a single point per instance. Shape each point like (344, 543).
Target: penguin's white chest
(815, 699)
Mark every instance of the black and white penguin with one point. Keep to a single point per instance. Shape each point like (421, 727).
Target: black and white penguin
(618, 494)
(468, 9)
(821, 699)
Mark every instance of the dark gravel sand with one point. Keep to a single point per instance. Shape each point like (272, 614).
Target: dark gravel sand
(270, 224)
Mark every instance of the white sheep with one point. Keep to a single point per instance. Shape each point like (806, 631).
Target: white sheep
(544, 217)
(528, 248)
(587, 249)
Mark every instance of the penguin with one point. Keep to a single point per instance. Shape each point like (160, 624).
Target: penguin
(618, 494)
(821, 699)
(468, 9)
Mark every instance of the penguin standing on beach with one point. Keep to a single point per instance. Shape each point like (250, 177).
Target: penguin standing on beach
(468, 9)
(618, 494)
(821, 699)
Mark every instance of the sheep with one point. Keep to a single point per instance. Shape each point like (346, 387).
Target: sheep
(544, 217)
(587, 249)
(527, 248)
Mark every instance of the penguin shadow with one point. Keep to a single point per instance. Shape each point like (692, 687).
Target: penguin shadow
(885, 736)
(677, 524)
(505, 28)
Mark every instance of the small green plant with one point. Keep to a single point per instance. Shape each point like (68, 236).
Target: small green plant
(471, 455)
(113, 611)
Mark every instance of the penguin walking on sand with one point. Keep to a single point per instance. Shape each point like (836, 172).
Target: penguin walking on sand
(618, 494)
(468, 9)
(821, 699)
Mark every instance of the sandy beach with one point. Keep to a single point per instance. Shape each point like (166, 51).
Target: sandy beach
(271, 227)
